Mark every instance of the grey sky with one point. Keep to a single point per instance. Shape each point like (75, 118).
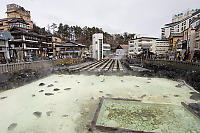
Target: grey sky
(114, 16)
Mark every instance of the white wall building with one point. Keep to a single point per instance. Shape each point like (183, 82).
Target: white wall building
(178, 26)
(97, 46)
(162, 47)
(137, 45)
(183, 15)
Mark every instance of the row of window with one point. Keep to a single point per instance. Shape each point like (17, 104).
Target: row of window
(18, 25)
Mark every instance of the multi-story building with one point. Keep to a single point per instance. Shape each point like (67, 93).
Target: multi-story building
(15, 12)
(197, 45)
(180, 16)
(5, 37)
(173, 39)
(179, 25)
(70, 49)
(162, 47)
(137, 45)
(97, 46)
(27, 44)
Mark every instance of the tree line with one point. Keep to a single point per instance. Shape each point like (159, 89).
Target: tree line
(83, 35)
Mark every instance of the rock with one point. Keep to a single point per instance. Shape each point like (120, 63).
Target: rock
(12, 126)
(49, 94)
(101, 91)
(3, 97)
(50, 85)
(148, 82)
(103, 80)
(137, 86)
(37, 114)
(78, 82)
(41, 84)
(33, 95)
(64, 115)
(195, 96)
(109, 95)
(143, 96)
(92, 98)
(192, 92)
(122, 80)
(195, 106)
(92, 83)
(165, 96)
(56, 89)
(176, 95)
(67, 89)
(179, 85)
(49, 113)
(41, 90)
(55, 81)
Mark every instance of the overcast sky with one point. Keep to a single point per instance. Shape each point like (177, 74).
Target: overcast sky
(114, 16)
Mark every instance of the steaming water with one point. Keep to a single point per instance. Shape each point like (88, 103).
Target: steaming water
(73, 109)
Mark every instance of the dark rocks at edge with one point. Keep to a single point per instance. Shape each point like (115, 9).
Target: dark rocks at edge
(168, 71)
(37, 114)
(12, 126)
(19, 78)
(195, 106)
(56, 89)
(41, 84)
(195, 96)
(50, 85)
(49, 94)
(41, 91)
(3, 97)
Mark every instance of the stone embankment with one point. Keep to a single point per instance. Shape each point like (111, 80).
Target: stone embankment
(189, 72)
(16, 75)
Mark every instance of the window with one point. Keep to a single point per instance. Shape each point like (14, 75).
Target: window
(1, 24)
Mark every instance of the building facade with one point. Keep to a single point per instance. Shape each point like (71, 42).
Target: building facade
(197, 44)
(28, 45)
(5, 38)
(173, 41)
(140, 44)
(97, 46)
(15, 11)
(162, 47)
(179, 25)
